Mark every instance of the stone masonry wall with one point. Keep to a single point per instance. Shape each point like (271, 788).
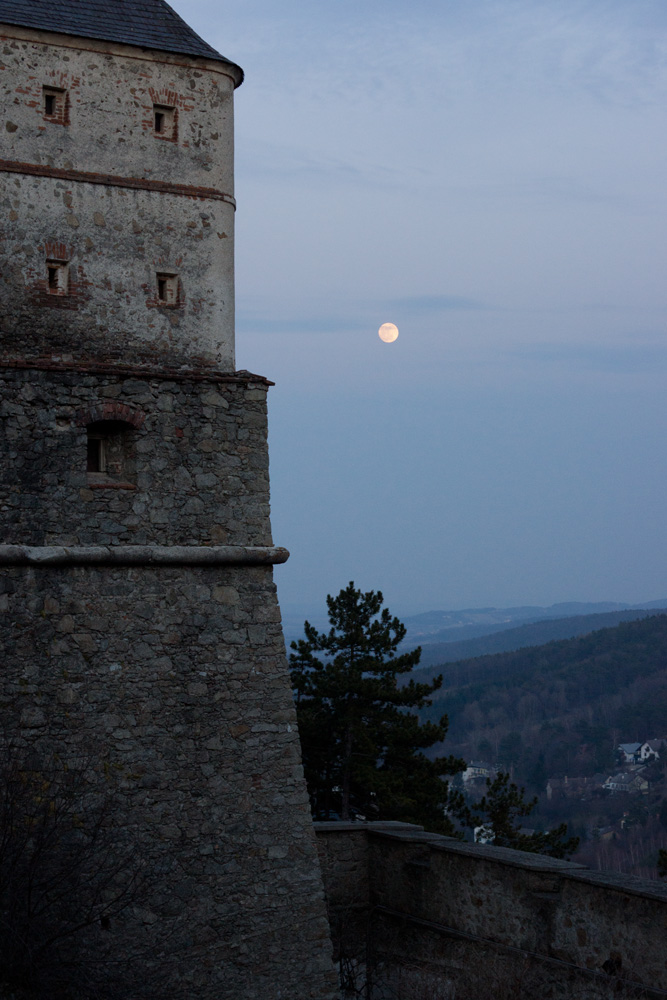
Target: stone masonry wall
(166, 689)
(169, 689)
(200, 461)
(433, 917)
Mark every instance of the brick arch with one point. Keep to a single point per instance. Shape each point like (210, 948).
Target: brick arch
(111, 411)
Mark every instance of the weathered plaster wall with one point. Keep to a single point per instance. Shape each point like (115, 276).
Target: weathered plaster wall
(112, 90)
(120, 203)
(432, 914)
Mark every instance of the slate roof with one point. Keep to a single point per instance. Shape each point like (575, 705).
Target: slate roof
(150, 24)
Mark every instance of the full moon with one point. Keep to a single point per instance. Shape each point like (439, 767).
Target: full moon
(388, 332)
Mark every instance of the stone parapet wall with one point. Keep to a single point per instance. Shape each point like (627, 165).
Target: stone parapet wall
(435, 917)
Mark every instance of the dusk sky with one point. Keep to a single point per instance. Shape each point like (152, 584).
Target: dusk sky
(490, 176)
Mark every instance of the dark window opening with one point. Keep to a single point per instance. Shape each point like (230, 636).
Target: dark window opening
(167, 289)
(164, 122)
(54, 105)
(111, 452)
(95, 454)
(57, 277)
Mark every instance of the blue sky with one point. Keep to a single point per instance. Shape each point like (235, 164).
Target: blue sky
(490, 177)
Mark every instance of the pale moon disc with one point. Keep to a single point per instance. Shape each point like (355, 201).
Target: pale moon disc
(388, 332)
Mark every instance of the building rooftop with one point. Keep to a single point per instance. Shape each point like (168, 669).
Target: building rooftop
(150, 24)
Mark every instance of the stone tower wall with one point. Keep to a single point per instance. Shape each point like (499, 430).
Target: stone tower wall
(141, 646)
(198, 462)
(96, 186)
(140, 638)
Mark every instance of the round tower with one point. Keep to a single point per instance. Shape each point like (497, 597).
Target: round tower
(118, 157)
(143, 658)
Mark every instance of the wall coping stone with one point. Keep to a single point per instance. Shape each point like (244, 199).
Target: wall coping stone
(144, 371)
(412, 834)
(356, 826)
(142, 555)
(621, 882)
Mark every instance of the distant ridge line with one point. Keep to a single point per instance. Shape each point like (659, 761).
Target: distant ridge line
(522, 636)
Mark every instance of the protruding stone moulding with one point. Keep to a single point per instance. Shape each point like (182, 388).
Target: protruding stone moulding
(167, 288)
(165, 122)
(110, 458)
(57, 277)
(55, 105)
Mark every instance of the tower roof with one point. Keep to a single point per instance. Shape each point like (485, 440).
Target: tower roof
(150, 24)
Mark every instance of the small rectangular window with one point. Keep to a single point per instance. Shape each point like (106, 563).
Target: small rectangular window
(54, 105)
(167, 289)
(57, 277)
(96, 456)
(164, 122)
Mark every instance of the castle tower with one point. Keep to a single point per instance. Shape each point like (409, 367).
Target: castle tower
(141, 641)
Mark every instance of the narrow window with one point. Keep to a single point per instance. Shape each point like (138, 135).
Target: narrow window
(167, 289)
(110, 452)
(57, 277)
(164, 122)
(54, 105)
(96, 457)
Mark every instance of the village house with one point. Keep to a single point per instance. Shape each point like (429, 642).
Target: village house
(629, 752)
(627, 781)
(651, 749)
(478, 770)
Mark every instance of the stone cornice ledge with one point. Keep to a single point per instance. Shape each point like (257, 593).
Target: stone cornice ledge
(142, 555)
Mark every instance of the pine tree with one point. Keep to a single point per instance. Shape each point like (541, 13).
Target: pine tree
(363, 749)
(502, 809)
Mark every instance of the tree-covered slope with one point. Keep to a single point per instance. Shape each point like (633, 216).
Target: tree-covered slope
(605, 687)
(533, 634)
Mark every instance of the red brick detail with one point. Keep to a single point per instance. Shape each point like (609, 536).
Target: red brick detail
(62, 116)
(111, 411)
(110, 180)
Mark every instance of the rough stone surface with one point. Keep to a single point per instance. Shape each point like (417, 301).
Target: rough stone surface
(433, 917)
(170, 688)
(196, 470)
(170, 684)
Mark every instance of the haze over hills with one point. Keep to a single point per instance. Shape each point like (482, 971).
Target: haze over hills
(443, 634)
(531, 634)
(453, 626)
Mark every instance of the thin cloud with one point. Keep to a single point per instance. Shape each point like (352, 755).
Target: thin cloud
(435, 303)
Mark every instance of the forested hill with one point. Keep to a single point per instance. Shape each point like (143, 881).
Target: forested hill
(532, 634)
(605, 687)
